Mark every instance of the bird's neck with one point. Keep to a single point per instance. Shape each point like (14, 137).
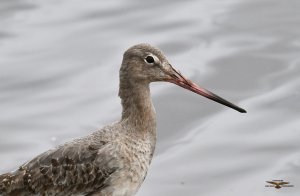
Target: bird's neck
(137, 104)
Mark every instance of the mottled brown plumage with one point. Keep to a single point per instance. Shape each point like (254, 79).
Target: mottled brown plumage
(114, 160)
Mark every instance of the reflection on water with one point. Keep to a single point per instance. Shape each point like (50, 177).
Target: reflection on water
(59, 78)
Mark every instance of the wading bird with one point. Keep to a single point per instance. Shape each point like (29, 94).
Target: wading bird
(114, 160)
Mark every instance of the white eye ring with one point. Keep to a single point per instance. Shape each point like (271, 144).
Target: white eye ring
(149, 59)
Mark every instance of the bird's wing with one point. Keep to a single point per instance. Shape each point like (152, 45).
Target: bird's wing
(278, 183)
(70, 168)
(282, 183)
(271, 182)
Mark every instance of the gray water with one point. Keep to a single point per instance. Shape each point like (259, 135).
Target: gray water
(59, 62)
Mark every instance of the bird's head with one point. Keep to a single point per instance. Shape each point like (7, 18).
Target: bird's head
(144, 63)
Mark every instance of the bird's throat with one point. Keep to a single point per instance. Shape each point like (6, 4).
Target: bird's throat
(137, 104)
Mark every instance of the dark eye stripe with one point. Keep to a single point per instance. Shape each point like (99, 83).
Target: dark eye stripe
(149, 59)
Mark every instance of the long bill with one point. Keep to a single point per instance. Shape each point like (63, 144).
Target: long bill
(179, 80)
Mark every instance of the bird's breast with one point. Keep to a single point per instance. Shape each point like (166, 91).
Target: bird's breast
(136, 156)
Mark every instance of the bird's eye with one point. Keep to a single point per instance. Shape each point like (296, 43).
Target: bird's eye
(149, 59)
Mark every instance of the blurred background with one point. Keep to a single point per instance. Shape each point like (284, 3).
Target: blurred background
(59, 63)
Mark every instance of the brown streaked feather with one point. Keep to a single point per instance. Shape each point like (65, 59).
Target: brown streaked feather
(66, 170)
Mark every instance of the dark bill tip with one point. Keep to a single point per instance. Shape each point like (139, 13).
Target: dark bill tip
(179, 80)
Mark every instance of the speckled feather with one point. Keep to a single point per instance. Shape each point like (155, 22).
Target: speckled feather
(95, 164)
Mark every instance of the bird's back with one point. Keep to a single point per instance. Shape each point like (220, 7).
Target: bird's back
(110, 162)
(78, 167)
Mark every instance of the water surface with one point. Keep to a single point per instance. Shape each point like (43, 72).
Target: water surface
(59, 80)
